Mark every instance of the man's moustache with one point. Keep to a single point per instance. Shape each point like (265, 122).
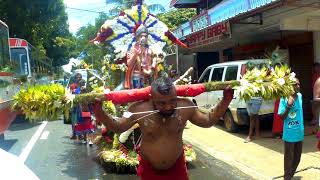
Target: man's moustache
(167, 113)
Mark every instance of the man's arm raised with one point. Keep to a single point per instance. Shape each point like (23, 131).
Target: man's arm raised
(208, 120)
(117, 126)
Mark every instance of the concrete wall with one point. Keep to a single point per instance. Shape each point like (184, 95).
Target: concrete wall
(185, 62)
(316, 46)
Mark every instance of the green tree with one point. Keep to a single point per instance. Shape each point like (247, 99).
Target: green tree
(124, 4)
(120, 5)
(40, 23)
(95, 53)
(177, 17)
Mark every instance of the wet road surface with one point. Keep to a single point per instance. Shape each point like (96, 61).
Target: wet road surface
(53, 156)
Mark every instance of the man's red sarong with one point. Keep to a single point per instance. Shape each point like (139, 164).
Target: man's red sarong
(177, 172)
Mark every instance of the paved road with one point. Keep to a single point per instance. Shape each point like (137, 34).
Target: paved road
(51, 155)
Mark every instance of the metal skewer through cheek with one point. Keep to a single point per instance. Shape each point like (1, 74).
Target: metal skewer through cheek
(128, 114)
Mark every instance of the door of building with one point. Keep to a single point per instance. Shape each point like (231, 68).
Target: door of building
(205, 59)
(301, 62)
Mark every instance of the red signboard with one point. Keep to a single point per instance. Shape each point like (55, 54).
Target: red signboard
(16, 42)
(211, 34)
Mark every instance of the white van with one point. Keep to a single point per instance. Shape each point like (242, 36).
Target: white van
(237, 112)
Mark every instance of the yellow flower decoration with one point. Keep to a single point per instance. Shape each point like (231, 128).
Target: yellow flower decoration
(110, 107)
(160, 67)
(113, 67)
(144, 13)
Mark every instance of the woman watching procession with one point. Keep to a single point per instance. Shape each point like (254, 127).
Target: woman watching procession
(82, 125)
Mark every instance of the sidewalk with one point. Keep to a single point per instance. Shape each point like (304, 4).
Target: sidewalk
(261, 159)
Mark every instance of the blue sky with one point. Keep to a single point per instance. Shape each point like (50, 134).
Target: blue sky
(78, 19)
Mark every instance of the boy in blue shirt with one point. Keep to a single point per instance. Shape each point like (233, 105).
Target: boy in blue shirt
(290, 110)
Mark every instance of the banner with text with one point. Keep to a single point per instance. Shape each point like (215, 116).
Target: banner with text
(209, 35)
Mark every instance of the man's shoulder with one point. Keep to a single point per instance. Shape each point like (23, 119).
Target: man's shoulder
(317, 81)
(139, 104)
(185, 101)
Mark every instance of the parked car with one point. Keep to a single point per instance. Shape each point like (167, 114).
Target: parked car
(43, 80)
(237, 112)
(58, 81)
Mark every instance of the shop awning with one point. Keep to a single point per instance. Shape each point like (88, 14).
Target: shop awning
(228, 9)
(224, 11)
(184, 3)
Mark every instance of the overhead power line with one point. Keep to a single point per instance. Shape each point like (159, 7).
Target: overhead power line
(86, 10)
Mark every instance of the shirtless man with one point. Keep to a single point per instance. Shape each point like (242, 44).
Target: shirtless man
(161, 154)
(316, 100)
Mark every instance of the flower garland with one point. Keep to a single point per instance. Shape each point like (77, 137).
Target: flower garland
(266, 83)
(45, 101)
(120, 31)
(275, 88)
(118, 159)
(189, 152)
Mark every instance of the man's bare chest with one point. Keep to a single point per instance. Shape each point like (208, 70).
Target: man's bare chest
(157, 126)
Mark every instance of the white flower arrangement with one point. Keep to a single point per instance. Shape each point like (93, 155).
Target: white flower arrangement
(266, 83)
(292, 76)
(125, 135)
(281, 81)
(69, 97)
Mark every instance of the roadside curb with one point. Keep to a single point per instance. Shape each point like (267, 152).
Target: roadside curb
(227, 159)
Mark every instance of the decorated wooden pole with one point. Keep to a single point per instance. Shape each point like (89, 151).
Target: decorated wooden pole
(133, 95)
(48, 101)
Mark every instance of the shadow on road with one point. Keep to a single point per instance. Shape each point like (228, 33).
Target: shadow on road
(206, 167)
(267, 139)
(7, 144)
(20, 123)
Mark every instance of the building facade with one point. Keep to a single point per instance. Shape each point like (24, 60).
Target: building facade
(231, 30)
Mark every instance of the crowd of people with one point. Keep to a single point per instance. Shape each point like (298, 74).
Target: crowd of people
(168, 124)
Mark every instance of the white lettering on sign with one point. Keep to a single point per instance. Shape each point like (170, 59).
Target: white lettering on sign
(209, 35)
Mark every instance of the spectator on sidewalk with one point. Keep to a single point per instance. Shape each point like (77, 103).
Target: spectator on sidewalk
(316, 100)
(75, 88)
(82, 125)
(315, 104)
(290, 110)
(253, 107)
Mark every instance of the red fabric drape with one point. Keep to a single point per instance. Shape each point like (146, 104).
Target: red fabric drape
(277, 120)
(132, 95)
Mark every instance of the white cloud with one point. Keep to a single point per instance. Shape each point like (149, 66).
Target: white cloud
(74, 25)
(78, 18)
